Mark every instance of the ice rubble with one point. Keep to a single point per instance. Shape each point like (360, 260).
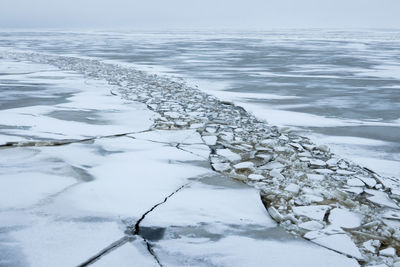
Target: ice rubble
(308, 190)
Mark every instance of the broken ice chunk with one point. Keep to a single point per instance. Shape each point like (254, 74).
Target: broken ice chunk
(294, 188)
(226, 136)
(344, 172)
(305, 154)
(323, 148)
(272, 165)
(310, 198)
(332, 162)
(244, 165)
(355, 190)
(370, 182)
(341, 243)
(269, 142)
(311, 225)
(391, 215)
(388, 252)
(220, 167)
(344, 218)
(281, 149)
(395, 192)
(315, 177)
(297, 146)
(308, 147)
(317, 163)
(211, 129)
(275, 214)
(265, 157)
(381, 198)
(255, 177)
(283, 137)
(370, 246)
(229, 155)
(210, 140)
(173, 115)
(276, 173)
(355, 182)
(315, 212)
(313, 234)
(323, 171)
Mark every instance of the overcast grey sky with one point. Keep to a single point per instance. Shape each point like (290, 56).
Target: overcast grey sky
(159, 14)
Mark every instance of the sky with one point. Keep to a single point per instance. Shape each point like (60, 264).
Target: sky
(193, 14)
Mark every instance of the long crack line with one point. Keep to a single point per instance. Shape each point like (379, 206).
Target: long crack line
(151, 251)
(137, 225)
(131, 236)
(42, 143)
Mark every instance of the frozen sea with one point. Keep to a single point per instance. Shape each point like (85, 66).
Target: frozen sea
(342, 88)
(62, 204)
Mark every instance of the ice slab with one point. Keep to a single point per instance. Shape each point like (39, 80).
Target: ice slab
(341, 243)
(54, 243)
(315, 212)
(344, 218)
(244, 251)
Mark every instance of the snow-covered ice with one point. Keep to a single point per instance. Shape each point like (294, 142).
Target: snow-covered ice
(128, 163)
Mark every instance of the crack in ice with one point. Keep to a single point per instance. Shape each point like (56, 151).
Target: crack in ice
(44, 143)
(131, 233)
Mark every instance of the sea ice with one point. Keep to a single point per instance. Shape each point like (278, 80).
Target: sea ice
(315, 212)
(228, 154)
(344, 218)
(341, 243)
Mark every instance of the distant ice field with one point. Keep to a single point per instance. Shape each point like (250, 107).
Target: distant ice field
(341, 88)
